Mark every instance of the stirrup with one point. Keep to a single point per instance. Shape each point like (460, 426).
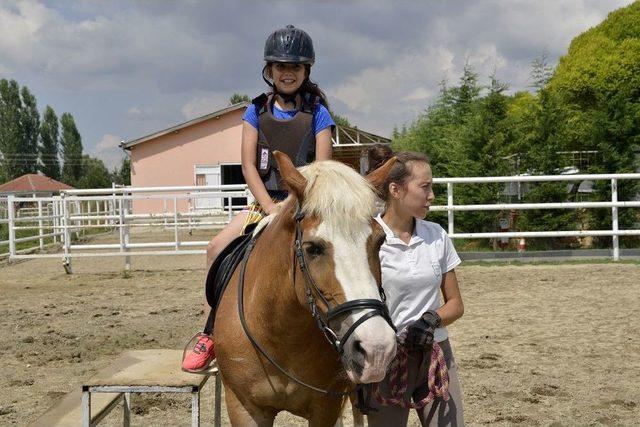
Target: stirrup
(210, 369)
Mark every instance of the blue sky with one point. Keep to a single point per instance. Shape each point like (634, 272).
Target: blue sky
(128, 68)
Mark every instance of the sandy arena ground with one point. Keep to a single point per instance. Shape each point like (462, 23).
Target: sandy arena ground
(539, 345)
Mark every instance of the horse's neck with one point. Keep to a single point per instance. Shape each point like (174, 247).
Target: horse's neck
(272, 296)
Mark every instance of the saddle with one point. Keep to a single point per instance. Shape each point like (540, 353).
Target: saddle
(223, 267)
(221, 271)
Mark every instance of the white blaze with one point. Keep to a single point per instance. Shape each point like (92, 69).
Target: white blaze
(354, 274)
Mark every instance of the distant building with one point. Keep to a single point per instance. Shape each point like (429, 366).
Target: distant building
(33, 185)
(29, 185)
(575, 161)
(206, 151)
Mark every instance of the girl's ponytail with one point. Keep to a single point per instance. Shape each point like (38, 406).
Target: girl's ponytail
(310, 87)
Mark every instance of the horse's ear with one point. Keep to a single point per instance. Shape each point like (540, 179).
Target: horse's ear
(379, 176)
(290, 175)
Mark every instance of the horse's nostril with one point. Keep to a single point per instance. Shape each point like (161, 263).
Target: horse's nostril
(357, 346)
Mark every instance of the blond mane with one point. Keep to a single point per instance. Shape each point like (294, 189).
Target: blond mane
(337, 194)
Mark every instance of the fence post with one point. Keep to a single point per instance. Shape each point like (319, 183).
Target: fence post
(121, 224)
(230, 213)
(164, 211)
(175, 223)
(127, 234)
(449, 207)
(66, 260)
(124, 232)
(54, 221)
(11, 217)
(614, 220)
(40, 225)
(113, 203)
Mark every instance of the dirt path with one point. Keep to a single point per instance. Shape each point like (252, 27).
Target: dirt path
(538, 345)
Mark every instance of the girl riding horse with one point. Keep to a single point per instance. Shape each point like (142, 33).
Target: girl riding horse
(292, 118)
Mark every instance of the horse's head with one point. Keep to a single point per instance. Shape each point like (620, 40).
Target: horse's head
(337, 267)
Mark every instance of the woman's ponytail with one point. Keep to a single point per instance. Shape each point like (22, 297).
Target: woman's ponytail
(401, 170)
(377, 156)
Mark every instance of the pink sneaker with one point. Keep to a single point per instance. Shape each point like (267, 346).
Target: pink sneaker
(197, 361)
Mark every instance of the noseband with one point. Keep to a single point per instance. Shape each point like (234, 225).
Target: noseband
(377, 307)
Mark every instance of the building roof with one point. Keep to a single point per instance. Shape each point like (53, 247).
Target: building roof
(127, 145)
(347, 140)
(32, 183)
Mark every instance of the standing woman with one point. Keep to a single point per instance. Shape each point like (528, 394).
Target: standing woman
(293, 118)
(418, 262)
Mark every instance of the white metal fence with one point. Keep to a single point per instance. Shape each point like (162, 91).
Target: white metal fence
(614, 205)
(76, 212)
(62, 219)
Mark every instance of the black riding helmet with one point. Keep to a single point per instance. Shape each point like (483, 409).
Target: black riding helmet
(289, 44)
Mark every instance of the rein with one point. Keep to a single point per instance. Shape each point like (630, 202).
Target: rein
(378, 308)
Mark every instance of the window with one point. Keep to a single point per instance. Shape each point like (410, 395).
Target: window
(232, 174)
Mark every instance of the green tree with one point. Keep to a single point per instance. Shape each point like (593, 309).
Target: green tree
(464, 134)
(541, 71)
(30, 124)
(122, 175)
(71, 143)
(340, 120)
(598, 81)
(10, 129)
(49, 144)
(94, 174)
(125, 171)
(237, 98)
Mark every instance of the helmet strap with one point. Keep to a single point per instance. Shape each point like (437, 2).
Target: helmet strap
(287, 99)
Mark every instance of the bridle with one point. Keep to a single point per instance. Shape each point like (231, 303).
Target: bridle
(377, 307)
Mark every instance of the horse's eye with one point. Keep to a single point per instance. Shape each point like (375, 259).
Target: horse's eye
(314, 249)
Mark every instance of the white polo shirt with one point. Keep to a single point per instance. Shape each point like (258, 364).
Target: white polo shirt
(412, 273)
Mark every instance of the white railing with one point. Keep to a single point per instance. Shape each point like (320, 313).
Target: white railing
(40, 216)
(110, 209)
(614, 204)
(82, 211)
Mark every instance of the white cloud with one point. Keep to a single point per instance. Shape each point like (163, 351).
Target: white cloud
(5, 72)
(107, 142)
(403, 84)
(200, 106)
(419, 94)
(102, 52)
(149, 63)
(108, 150)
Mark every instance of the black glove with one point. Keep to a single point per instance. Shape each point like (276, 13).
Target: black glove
(420, 332)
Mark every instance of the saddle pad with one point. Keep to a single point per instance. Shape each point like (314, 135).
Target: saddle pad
(223, 267)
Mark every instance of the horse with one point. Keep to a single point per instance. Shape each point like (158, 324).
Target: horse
(303, 318)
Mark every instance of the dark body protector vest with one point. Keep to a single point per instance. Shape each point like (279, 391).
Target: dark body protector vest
(294, 137)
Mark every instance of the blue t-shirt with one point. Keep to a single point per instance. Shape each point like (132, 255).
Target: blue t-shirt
(321, 117)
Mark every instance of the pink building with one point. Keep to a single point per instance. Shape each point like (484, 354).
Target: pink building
(206, 151)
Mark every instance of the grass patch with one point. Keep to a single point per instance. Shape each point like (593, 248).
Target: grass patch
(34, 244)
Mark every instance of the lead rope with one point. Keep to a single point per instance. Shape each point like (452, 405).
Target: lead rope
(437, 380)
